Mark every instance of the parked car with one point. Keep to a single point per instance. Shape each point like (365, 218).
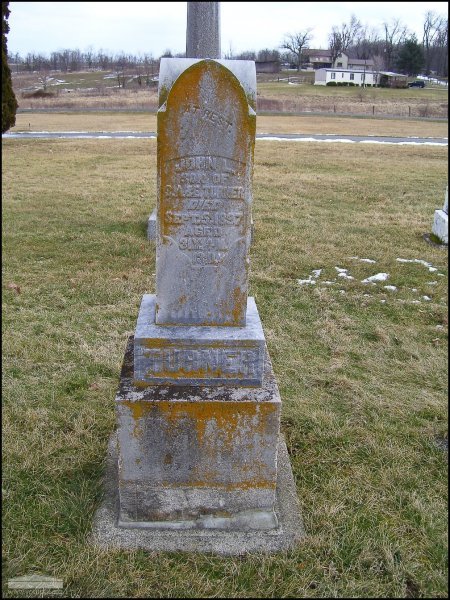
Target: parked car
(420, 84)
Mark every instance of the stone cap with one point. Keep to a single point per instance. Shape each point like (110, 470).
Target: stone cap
(243, 70)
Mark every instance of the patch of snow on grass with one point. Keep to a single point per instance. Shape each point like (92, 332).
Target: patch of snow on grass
(366, 260)
(391, 288)
(377, 277)
(311, 279)
(427, 298)
(309, 139)
(415, 260)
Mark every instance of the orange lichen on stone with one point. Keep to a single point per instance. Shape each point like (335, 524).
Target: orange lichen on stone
(219, 429)
(206, 119)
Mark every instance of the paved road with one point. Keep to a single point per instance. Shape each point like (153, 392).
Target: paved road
(260, 136)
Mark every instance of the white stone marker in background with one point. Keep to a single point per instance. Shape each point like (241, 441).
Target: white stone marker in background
(440, 224)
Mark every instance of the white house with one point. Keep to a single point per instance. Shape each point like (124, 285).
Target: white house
(360, 77)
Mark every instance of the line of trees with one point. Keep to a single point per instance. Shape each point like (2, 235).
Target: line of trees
(71, 60)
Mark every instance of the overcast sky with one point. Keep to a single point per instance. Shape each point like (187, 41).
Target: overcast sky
(153, 27)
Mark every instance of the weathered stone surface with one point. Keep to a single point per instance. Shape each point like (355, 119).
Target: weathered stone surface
(171, 68)
(107, 534)
(440, 225)
(206, 133)
(203, 30)
(151, 226)
(195, 355)
(196, 453)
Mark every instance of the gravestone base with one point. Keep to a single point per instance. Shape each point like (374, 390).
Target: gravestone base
(151, 226)
(197, 456)
(440, 225)
(107, 534)
(197, 355)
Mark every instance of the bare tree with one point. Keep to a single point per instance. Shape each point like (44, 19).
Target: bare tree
(394, 34)
(149, 65)
(229, 54)
(378, 63)
(441, 50)
(296, 43)
(431, 29)
(267, 54)
(44, 79)
(367, 43)
(246, 55)
(340, 39)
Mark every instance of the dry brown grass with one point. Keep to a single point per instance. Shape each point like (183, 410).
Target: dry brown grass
(122, 121)
(101, 99)
(99, 91)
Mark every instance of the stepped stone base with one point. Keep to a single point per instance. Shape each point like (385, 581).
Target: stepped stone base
(197, 457)
(197, 355)
(289, 532)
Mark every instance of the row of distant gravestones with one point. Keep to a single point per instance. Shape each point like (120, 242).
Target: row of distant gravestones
(440, 224)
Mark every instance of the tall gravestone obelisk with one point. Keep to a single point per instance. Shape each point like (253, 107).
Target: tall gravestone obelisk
(198, 406)
(203, 30)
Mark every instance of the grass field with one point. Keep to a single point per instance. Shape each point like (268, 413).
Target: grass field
(362, 368)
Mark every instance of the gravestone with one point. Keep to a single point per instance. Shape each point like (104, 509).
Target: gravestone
(440, 223)
(199, 450)
(203, 30)
(151, 226)
(200, 330)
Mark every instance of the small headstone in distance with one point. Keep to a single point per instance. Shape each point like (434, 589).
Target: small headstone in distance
(440, 223)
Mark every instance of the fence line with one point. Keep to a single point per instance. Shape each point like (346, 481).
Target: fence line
(426, 109)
